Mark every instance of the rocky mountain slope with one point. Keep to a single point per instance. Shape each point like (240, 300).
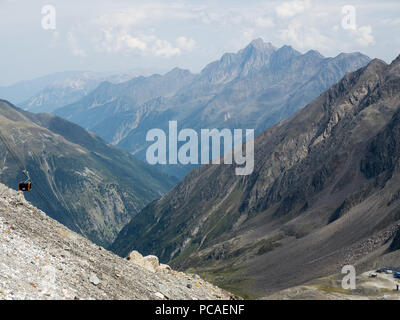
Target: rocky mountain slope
(78, 179)
(251, 89)
(104, 108)
(42, 259)
(324, 193)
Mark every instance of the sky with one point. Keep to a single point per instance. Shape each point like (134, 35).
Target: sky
(43, 37)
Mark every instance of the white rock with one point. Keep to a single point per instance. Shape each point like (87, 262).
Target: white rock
(163, 268)
(151, 263)
(159, 295)
(135, 257)
(94, 279)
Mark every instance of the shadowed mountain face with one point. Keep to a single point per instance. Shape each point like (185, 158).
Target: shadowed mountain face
(324, 193)
(82, 182)
(251, 89)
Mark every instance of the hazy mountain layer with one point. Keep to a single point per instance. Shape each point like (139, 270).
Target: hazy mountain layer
(69, 89)
(251, 89)
(23, 90)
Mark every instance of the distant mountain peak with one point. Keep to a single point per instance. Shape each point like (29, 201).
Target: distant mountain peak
(376, 66)
(257, 42)
(396, 61)
(177, 70)
(314, 53)
(261, 45)
(287, 49)
(346, 55)
(284, 54)
(251, 58)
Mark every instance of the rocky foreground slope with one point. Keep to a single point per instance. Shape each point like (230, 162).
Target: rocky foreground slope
(42, 259)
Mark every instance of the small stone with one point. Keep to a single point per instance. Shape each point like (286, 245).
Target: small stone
(159, 295)
(189, 286)
(94, 279)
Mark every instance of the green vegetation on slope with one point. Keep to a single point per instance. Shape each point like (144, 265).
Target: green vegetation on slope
(79, 180)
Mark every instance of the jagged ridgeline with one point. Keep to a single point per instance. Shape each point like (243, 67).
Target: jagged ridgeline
(325, 192)
(89, 186)
(251, 89)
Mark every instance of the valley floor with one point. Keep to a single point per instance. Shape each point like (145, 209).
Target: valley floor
(383, 287)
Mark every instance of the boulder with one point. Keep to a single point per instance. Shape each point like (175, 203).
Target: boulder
(135, 257)
(150, 262)
(163, 268)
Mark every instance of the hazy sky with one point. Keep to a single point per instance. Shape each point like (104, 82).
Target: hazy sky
(119, 35)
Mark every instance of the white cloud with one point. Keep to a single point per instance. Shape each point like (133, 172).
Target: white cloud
(393, 22)
(304, 37)
(150, 30)
(74, 46)
(264, 22)
(186, 44)
(121, 41)
(163, 48)
(248, 35)
(122, 19)
(131, 42)
(291, 8)
(127, 31)
(364, 36)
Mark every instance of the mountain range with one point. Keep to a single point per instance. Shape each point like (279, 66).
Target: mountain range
(251, 89)
(324, 188)
(71, 87)
(324, 193)
(50, 92)
(89, 186)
